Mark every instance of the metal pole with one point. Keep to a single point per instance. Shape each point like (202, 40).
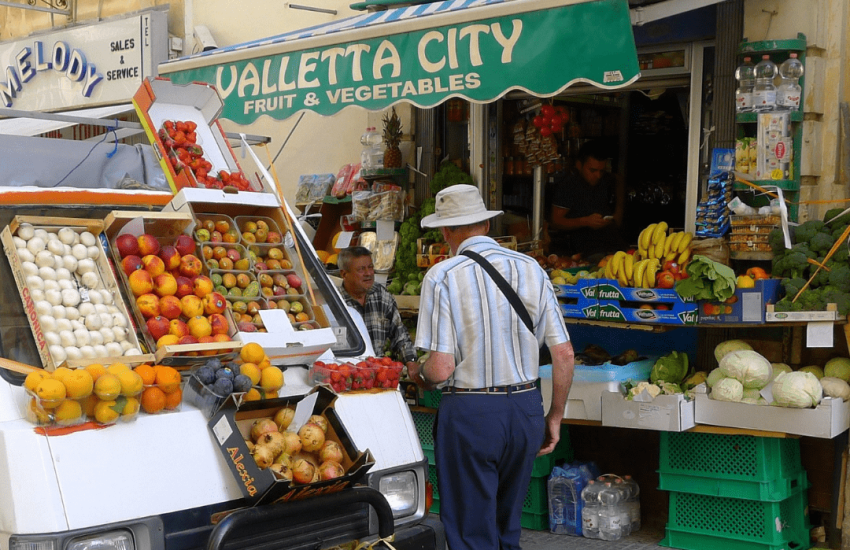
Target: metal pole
(537, 202)
(35, 8)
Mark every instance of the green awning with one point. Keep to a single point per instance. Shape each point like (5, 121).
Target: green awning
(422, 54)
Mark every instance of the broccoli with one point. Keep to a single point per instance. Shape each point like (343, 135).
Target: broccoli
(777, 240)
(807, 230)
(840, 218)
(821, 242)
(839, 277)
(812, 300)
(837, 232)
(792, 264)
(804, 249)
(843, 303)
(822, 277)
(793, 286)
(841, 255)
(785, 304)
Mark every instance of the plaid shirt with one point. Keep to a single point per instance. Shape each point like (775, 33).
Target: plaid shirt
(383, 321)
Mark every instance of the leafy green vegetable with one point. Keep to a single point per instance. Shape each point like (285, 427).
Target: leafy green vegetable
(448, 175)
(671, 368)
(708, 280)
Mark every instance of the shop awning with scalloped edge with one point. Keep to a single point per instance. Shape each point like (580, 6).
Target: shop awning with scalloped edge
(423, 54)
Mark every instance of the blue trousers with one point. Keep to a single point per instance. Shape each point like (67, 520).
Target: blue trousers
(485, 446)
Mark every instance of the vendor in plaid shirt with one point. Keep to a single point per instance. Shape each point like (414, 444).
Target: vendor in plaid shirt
(374, 303)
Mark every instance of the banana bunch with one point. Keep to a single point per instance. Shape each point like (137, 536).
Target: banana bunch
(629, 270)
(655, 243)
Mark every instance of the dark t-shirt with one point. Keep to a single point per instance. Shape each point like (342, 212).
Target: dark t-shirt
(581, 199)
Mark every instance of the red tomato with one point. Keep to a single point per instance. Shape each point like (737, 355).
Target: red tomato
(546, 131)
(547, 110)
(537, 121)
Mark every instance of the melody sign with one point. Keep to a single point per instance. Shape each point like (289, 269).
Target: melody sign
(541, 52)
(81, 66)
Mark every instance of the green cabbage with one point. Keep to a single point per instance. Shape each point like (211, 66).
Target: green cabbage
(751, 393)
(780, 367)
(729, 346)
(838, 367)
(727, 389)
(797, 389)
(714, 377)
(747, 367)
(672, 368)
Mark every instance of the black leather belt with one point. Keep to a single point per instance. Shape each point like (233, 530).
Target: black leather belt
(516, 388)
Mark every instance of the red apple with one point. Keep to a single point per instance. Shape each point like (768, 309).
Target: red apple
(147, 245)
(214, 302)
(178, 328)
(158, 326)
(185, 286)
(219, 323)
(185, 245)
(665, 279)
(127, 245)
(153, 265)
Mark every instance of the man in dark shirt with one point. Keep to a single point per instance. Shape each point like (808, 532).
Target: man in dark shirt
(582, 213)
(374, 303)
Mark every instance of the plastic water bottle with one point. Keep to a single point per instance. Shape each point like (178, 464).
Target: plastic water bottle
(564, 505)
(609, 512)
(625, 514)
(590, 510)
(764, 92)
(372, 155)
(745, 74)
(634, 503)
(788, 92)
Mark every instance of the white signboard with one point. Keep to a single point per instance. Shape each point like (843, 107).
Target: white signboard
(85, 66)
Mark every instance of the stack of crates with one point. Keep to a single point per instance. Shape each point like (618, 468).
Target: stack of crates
(535, 508)
(735, 492)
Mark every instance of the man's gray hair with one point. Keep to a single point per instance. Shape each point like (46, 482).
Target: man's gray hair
(346, 256)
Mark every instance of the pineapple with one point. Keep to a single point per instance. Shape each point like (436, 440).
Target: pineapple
(392, 136)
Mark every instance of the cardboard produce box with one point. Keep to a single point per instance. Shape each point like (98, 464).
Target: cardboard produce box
(666, 413)
(643, 305)
(104, 294)
(747, 305)
(282, 344)
(827, 420)
(166, 227)
(579, 300)
(231, 427)
(159, 100)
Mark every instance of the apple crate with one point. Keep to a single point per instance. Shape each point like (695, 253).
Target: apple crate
(166, 227)
(96, 294)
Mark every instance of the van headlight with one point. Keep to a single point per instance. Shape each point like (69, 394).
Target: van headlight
(400, 490)
(111, 540)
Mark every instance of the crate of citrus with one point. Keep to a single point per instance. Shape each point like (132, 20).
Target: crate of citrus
(103, 394)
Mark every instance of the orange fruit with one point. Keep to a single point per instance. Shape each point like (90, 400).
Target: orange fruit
(107, 387)
(131, 408)
(131, 383)
(252, 352)
(116, 368)
(68, 412)
(271, 379)
(252, 371)
(61, 373)
(173, 399)
(167, 340)
(199, 326)
(153, 400)
(51, 392)
(252, 395)
(34, 379)
(148, 374)
(168, 379)
(95, 369)
(78, 384)
(262, 365)
(106, 412)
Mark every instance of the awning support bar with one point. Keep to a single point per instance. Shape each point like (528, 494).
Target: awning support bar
(647, 14)
(35, 8)
(108, 123)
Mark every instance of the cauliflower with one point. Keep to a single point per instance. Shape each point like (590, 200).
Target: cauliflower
(652, 389)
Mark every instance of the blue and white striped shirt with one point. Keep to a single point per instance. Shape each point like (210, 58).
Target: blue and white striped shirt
(464, 313)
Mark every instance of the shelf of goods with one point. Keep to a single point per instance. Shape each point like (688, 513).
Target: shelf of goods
(751, 128)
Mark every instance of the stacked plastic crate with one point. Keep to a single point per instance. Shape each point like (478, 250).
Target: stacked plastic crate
(736, 492)
(535, 508)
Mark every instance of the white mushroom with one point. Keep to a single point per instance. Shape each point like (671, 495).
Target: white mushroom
(106, 335)
(29, 269)
(113, 349)
(93, 252)
(85, 265)
(34, 282)
(47, 322)
(120, 334)
(25, 255)
(87, 239)
(72, 313)
(82, 337)
(66, 283)
(93, 322)
(42, 234)
(107, 296)
(67, 338)
(111, 308)
(36, 295)
(69, 262)
(126, 345)
(79, 251)
(52, 339)
(91, 280)
(43, 307)
(86, 309)
(95, 297)
(51, 284)
(47, 273)
(58, 261)
(63, 324)
(70, 297)
(87, 352)
(77, 325)
(57, 352)
(66, 235)
(26, 231)
(62, 274)
(132, 351)
(101, 308)
(58, 311)
(100, 351)
(44, 259)
(118, 320)
(73, 352)
(36, 245)
(105, 320)
(55, 247)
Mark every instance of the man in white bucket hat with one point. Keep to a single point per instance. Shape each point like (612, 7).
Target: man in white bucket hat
(484, 355)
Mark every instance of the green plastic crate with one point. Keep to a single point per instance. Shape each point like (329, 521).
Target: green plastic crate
(563, 453)
(737, 524)
(537, 522)
(736, 457)
(425, 428)
(769, 491)
(431, 398)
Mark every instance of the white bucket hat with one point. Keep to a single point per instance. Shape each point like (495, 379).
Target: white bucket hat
(458, 205)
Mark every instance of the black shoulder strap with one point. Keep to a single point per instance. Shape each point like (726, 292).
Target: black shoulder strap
(503, 285)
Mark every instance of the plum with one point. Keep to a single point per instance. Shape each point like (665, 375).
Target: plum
(206, 375)
(223, 386)
(241, 383)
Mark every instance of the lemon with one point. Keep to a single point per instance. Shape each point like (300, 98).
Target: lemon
(68, 412)
(34, 379)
